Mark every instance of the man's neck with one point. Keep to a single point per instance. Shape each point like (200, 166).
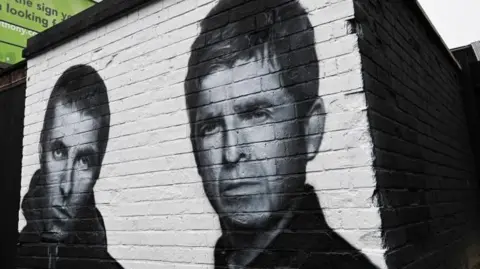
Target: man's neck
(248, 246)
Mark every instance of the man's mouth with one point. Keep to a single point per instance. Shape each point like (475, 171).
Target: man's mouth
(56, 223)
(239, 187)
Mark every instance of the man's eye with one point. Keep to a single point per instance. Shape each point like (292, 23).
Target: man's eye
(84, 162)
(259, 115)
(210, 128)
(59, 153)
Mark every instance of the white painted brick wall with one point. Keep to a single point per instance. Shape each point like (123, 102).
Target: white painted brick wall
(149, 193)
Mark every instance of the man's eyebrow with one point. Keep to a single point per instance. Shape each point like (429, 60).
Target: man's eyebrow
(87, 150)
(56, 143)
(251, 103)
(203, 115)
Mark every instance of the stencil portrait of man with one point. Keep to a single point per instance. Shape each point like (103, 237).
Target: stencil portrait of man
(256, 121)
(64, 227)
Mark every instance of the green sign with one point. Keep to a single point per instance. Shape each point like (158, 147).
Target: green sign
(9, 53)
(14, 34)
(22, 19)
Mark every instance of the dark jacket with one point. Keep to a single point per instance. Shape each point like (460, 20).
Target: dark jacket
(307, 242)
(84, 248)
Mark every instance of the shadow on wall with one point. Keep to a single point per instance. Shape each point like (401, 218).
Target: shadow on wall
(423, 164)
(64, 227)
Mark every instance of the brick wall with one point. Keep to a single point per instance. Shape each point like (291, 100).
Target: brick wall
(149, 192)
(423, 160)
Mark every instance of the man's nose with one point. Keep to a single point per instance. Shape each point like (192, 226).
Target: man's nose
(232, 153)
(66, 183)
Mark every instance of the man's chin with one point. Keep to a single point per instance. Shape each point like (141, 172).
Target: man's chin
(248, 220)
(54, 236)
(56, 232)
(245, 212)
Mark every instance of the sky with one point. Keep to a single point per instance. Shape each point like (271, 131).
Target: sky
(457, 21)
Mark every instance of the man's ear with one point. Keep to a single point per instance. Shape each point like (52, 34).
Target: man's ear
(314, 125)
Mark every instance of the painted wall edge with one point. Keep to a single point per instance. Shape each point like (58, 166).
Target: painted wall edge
(93, 17)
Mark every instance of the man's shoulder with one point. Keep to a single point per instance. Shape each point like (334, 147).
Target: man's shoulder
(31, 255)
(318, 243)
(337, 261)
(110, 263)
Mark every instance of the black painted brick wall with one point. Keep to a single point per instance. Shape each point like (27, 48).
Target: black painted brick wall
(12, 106)
(423, 161)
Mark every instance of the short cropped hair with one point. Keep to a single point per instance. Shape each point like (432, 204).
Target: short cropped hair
(79, 86)
(240, 30)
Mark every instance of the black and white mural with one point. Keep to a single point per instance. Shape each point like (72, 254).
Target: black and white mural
(252, 139)
(64, 229)
(200, 138)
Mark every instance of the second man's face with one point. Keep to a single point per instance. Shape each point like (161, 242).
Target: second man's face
(248, 144)
(71, 155)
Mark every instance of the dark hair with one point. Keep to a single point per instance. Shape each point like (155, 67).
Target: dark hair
(239, 29)
(79, 86)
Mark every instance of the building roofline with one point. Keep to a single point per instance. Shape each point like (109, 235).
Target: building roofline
(92, 17)
(108, 10)
(438, 36)
(460, 48)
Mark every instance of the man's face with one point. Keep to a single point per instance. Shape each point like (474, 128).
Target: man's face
(71, 155)
(247, 144)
